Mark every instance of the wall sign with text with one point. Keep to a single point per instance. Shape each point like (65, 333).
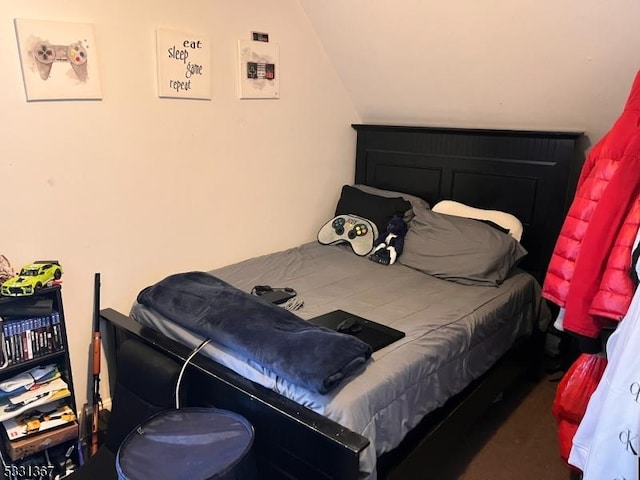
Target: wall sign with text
(184, 65)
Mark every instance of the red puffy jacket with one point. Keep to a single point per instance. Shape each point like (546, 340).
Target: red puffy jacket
(616, 288)
(595, 242)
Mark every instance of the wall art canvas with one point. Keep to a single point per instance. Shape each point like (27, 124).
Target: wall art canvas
(184, 65)
(59, 60)
(259, 72)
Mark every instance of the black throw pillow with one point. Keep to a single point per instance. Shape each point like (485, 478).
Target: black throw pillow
(377, 209)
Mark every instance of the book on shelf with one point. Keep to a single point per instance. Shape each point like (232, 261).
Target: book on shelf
(39, 419)
(28, 380)
(44, 393)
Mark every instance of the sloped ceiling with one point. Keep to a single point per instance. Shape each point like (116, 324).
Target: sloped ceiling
(564, 65)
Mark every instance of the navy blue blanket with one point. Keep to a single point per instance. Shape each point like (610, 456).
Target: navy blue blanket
(305, 354)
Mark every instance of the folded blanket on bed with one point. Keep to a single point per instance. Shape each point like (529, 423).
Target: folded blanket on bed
(305, 354)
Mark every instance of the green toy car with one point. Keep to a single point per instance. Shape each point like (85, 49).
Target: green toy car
(32, 278)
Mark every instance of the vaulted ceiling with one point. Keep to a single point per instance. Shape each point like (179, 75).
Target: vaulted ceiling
(497, 63)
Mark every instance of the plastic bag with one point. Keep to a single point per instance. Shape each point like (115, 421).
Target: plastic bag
(572, 397)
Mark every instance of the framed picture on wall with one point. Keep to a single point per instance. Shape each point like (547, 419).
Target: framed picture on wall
(259, 69)
(59, 60)
(184, 65)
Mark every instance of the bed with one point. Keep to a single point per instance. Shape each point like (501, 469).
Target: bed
(398, 416)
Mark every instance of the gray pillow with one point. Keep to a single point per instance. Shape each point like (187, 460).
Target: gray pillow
(459, 249)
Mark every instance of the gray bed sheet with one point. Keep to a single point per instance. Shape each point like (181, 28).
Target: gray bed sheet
(454, 334)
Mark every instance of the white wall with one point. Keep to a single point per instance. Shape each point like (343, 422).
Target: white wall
(137, 187)
(562, 64)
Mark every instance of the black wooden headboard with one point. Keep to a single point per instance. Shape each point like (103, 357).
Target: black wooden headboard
(526, 173)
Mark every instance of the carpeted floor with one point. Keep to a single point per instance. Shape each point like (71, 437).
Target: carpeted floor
(515, 440)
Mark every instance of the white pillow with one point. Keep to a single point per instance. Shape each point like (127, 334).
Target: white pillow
(504, 219)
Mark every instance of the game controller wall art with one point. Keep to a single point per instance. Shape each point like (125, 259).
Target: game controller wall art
(59, 60)
(259, 69)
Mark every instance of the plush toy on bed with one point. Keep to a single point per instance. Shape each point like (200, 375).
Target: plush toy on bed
(389, 244)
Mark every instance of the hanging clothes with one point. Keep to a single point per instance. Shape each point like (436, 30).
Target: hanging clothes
(607, 442)
(601, 212)
(572, 397)
(617, 286)
(604, 228)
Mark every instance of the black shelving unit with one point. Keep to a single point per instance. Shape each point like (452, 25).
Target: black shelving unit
(42, 315)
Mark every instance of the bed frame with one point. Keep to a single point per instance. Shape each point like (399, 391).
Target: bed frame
(527, 173)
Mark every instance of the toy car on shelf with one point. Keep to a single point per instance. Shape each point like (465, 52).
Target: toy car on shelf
(32, 277)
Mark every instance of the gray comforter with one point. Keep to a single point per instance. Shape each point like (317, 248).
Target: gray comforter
(454, 333)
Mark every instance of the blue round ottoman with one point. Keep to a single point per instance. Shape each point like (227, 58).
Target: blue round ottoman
(189, 443)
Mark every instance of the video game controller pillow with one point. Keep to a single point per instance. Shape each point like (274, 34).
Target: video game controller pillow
(358, 232)
(377, 209)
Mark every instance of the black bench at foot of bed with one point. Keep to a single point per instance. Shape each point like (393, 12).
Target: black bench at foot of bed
(293, 442)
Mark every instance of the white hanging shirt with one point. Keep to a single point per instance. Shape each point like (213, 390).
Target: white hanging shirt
(607, 443)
